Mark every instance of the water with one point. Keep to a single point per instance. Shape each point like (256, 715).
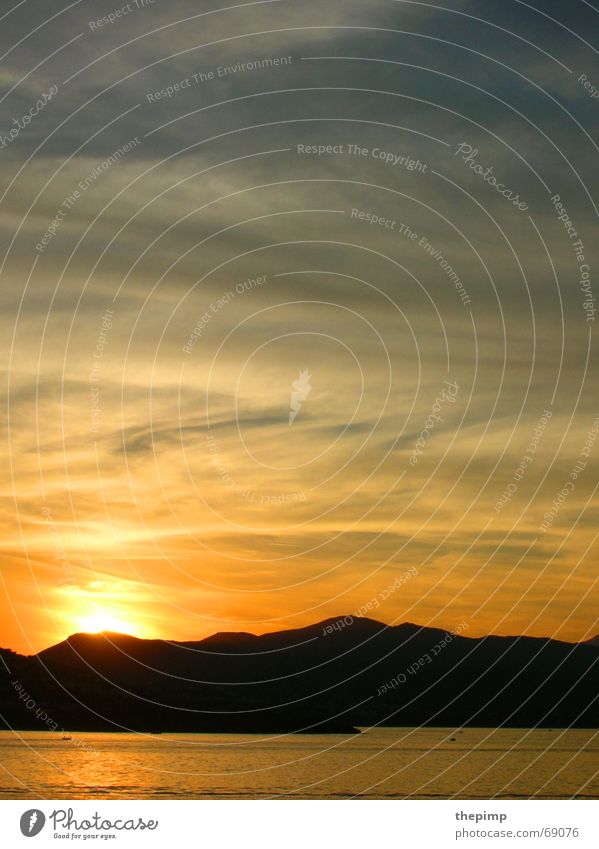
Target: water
(391, 763)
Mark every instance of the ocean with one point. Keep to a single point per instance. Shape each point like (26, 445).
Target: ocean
(388, 763)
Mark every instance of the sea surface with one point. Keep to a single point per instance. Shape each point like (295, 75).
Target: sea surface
(390, 763)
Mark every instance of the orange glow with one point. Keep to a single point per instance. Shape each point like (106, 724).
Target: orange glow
(105, 620)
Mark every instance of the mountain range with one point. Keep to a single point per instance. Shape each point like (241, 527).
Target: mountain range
(329, 677)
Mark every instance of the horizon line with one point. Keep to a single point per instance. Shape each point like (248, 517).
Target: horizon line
(324, 622)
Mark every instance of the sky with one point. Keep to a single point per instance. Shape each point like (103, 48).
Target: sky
(299, 310)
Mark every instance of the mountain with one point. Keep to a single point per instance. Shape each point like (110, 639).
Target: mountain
(328, 677)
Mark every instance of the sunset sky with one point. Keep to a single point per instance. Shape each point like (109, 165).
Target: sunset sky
(215, 257)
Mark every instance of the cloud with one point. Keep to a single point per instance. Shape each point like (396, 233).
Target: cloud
(110, 418)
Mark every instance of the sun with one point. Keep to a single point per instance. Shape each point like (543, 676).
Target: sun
(104, 620)
(100, 606)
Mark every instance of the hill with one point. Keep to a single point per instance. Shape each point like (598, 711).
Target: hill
(328, 677)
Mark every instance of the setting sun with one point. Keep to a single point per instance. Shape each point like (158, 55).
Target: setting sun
(104, 621)
(101, 606)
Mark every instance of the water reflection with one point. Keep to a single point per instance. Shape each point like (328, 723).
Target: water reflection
(380, 763)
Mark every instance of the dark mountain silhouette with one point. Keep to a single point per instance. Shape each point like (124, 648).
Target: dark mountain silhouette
(329, 677)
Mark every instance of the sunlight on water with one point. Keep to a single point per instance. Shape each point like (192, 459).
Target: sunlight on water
(379, 764)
